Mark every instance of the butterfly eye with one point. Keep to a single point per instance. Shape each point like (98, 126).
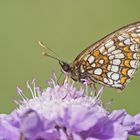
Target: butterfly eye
(66, 67)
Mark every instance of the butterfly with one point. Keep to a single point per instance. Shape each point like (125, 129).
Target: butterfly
(111, 61)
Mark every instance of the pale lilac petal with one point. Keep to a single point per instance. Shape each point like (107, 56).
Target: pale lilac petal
(14, 119)
(132, 124)
(19, 90)
(82, 118)
(51, 134)
(136, 129)
(118, 115)
(31, 124)
(76, 137)
(63, 135)
(7, 131)
(106, 130)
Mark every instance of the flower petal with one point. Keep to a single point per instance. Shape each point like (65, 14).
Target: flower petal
(81, 118)
(31, 124)
(51, 134)
(7, 131)
(132, 124)
(118, 115)
(106, 130)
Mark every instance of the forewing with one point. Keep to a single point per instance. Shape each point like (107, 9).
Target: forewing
(113, 60)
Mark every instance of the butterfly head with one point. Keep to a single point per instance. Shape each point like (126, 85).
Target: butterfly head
(69, 69)
(65, 66)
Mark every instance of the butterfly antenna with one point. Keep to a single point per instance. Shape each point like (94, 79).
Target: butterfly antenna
(46, 47)
(46, 54)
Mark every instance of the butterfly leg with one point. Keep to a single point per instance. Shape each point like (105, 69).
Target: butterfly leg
(100, 92)
(95, 89)
(65, 78)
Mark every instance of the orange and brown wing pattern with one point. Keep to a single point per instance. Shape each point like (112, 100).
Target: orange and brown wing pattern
(113, 60)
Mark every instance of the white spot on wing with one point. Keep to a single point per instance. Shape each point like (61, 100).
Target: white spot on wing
(116, 52)
(109, 74)
(121, 38)
(91, 59)
(133, 47)
(109, 44)
(82, 68)
(109, 67)
(111, 57)
(117, 85)
(133, 63)
(135, 56)
(93, 65)
(131, 72)
(115, 68)
(110, 82)
(111, 49)
(120, 55)
(98, 71)
(115, 76)
(128, 41)
(102, 49)
(116, 61)
(101, 61)
(106, 80)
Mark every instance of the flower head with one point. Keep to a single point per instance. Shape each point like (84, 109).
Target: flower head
(61, 112)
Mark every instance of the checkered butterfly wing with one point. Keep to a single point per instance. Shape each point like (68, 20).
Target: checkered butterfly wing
(113, 60)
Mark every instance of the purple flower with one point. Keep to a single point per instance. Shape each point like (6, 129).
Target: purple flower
(61, 112)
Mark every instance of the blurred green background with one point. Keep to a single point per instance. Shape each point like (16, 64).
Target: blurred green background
(67, 26)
